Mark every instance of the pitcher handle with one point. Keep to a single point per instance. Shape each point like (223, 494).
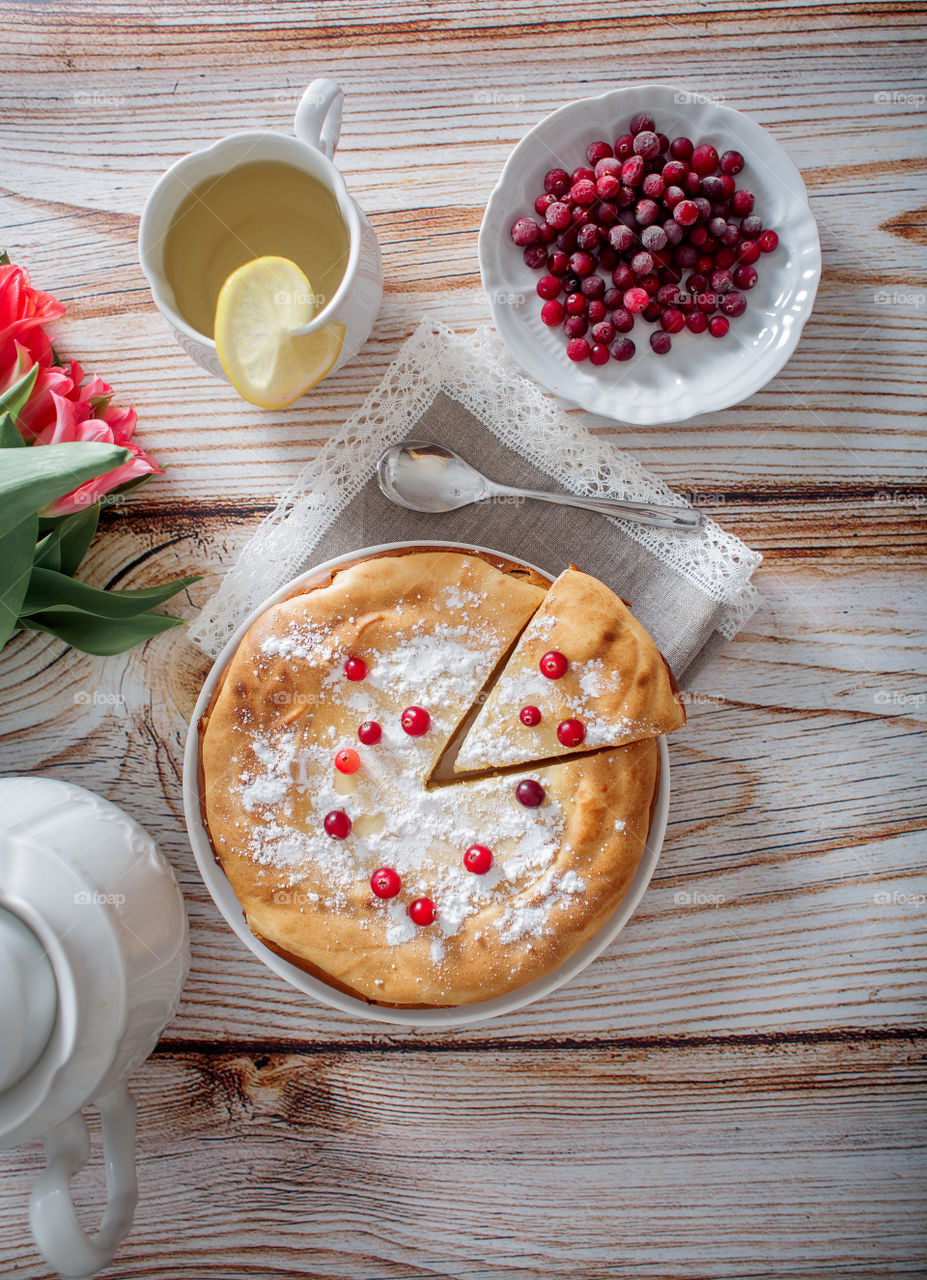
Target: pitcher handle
(318, 116)
(64, 1242)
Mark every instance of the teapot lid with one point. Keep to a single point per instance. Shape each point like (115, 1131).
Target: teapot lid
(75, 988)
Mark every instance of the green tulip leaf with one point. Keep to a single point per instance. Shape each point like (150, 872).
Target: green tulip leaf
(73, 536)
(59, 593)
(16, 552)
(48, 552)
(13, 400)
(9, 436)
(92, 634)
(30, 478)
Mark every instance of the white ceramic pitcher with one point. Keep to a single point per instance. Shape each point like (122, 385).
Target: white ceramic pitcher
(93, 956)
(318, 126)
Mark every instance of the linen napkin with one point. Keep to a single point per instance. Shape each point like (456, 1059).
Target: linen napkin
(692, 591)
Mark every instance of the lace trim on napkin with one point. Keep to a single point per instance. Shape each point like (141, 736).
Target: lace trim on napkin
(474, 371)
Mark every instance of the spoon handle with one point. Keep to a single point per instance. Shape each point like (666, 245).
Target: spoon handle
(652, 513)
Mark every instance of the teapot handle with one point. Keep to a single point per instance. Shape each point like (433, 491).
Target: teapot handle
(66, 1245)
(318, 116)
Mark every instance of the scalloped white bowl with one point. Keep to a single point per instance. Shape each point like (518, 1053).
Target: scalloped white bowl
(701, 373)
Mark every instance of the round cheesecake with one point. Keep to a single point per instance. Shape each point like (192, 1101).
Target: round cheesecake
(353, 849)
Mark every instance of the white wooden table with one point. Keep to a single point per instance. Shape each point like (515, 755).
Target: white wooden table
(736, 1088)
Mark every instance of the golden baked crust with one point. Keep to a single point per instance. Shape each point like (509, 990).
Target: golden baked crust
(618, 684)
(433, 626)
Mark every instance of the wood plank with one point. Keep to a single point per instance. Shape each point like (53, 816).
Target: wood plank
(742, 1159)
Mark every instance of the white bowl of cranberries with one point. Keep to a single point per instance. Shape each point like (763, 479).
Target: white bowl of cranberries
(650, 255)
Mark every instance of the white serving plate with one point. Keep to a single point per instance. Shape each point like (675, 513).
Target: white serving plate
(701, 374)
(461, 1015)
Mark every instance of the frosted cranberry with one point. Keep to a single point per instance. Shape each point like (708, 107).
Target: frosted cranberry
(355, 669)
(673, 196)
(530, 716)
(674, 232)
(552, 313)
(558, 263)
(733, 304)
(553, 664)
(732, 162)
(597, 151)
(686, 213)
(577, 349)
(606, 213)
(730, 235)
(535, 256)
(768, 241)
(582, 174)
(583, 192)
(707, 302)
(704, 159)
(557, 182)
(422, 911)
(673, 172)
(570, 733)
(691, 183)
(721, 281)
(347, 761)
(653, 238)
(696, 322)
(672, 320)
(742, 202)
(558, 215)
(667, 294)
(612, 299)
(625, 197)
(576, 304)
(748, 252)
(661, 342)
(582, 263)
(718, 326)
(641, 122)
(751, 227)
(635, 300)
(415, 721)
(622, 320)
(529, 793)
(369, 733)
(607, 165)
(598, 354)
(717, 227)
(337, 824)
(745, 277)
(704, 208)
(575, 326)
(646, 212)
(646, 144)
(651, 312)
(681, 149)
(653, 186)
(588, 236)
(548, 287)
(624, 146)
(642, 263)
(632, 171)
(592, 287)
(603, 332)
(478, 859)
(580, 216)
(623, 349)
(385, 882)
(712, 188)
(607, 187)
(543, 203)
(525, 231)
(685, 255)
(595, 311)
(566, 241)
(621, 238)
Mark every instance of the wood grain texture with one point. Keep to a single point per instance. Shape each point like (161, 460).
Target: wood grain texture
(736, 1088)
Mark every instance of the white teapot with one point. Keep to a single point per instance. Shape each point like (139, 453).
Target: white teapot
(93, 955)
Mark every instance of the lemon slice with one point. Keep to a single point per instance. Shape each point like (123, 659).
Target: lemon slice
(258, 308)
